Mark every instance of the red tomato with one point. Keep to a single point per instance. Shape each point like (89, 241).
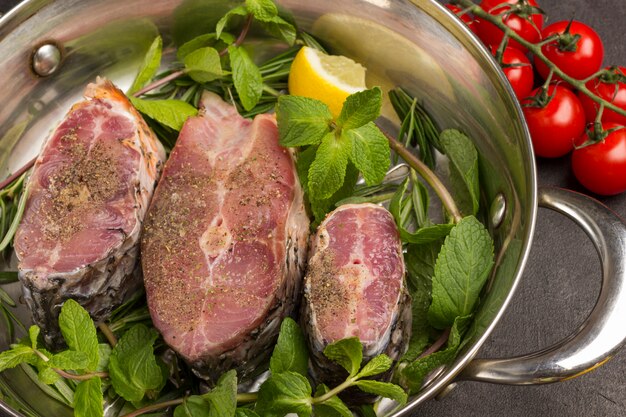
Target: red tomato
(491, 35)
(520, 77)
(601, 167)
(580, 63)
(614, 92)
(555, 127)
(467, 19)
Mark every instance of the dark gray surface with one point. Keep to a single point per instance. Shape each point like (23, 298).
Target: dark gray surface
(559, 287)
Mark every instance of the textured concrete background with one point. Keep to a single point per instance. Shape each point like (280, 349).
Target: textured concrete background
(559, 287)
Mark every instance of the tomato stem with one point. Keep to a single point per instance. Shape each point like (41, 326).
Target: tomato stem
(536, 50)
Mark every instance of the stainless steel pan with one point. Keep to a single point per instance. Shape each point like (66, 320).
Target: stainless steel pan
(416, 44)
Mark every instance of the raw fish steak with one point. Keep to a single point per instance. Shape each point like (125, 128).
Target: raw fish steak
(225, 241)
(354, 287)
(87, 197)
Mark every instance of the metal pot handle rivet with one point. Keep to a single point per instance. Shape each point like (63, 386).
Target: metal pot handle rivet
(602, 334)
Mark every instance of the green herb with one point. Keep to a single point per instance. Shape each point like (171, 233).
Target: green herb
(149, 67)
(221, 24)
(346, 352)
(221, 401)
(171, 113)
(69, 359)
(462, 268)
(463, 169)
(16, 355)
(202, 41)
(287, 392)
(246, 77)
(79, 331)
(384, 389)
(245, 412)
(203, 64)
(133, 368)
(88, 399)
(193, 406)
(290, 352)
(8, 277)
(332, 407)
(378, 365)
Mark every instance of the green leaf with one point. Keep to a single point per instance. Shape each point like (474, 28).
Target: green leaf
(70, 359)
(346, 352)
(223, 398)
(33, 334)
(221, 24)
(246, 77)
(303, 162)
(133, 368)
(302, 120)
(262, 10)
(149, 67)
(360, 109)
(284, 393)
(88, 400)
(367, 410)
(333, 407)
(48, 376)
(370, 152)
(171, 113)
(202, 41)
(375, 366)
(291, 352)
(328, 170)
(321, 208)
(193, 406)
(462, 268)
(384, 389)
(426, 234)
(412, 376)
(79, 331)
(104, 353)
(204, 64)
(281, 29)
(18, 354)
(463, 158)
(245, 412)
(420, 262)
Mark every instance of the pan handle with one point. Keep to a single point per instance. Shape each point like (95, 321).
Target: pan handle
(603, 332)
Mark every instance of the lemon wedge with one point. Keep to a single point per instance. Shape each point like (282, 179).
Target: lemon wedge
(328, 78)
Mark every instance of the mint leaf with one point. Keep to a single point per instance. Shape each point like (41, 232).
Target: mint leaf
(149, 67)
(333, 407)
(290, 352)
(463, 158)
(70, 359)
(302, 120)
(375, 366)
(281, 29)
(426, 234)
(262, 10)
(171, 113)
(346, 352)
(328, 170)
(367, 410)
(48, 376)
(370, 152)
(221, 24)
(360, 109)
(33, 334)
(79, 331)
(420, 262)
(88, 400)
(303, 162)
(412, 376)
(245, 412)
(202, 41)
(246, 77)
(223, 398)
(104, 354)
(15, 356)
(321, 208)
(193, 406)
(462, 268)
(283, 393)
(384, 389)
(203, 65)
(133, 368)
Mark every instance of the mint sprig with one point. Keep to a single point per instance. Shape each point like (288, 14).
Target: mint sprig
(351, 138)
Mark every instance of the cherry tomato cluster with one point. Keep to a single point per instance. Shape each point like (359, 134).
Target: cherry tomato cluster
(560, 119)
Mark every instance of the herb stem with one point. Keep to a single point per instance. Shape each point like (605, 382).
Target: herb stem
(247, 397)
(83, 377)
(17, 173)
(345, 384)
(155, 407)
(242, 34)
(535, 49)
(108, 333)
(438, 344)
(429, 176)
(159, 82)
